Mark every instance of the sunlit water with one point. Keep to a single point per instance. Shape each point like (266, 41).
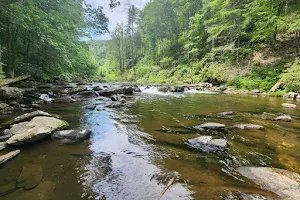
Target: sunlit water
(135, 151)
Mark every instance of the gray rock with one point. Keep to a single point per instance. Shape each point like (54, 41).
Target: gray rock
(81, 134)
(284, 118)
(177, 89)
(282, 182)
(226, 113)
(289, 105)
(2, 145)
(211, 126)
(137, 89)
(3, 106)
(30, 176)
(8, 156)
(291, 95)
(298, 98)
(118, 97)
(43, 191)
(90, 107)
(10, 93)
(256, 91)
(38, 128)
(29, 116)
(207, 143)
(97, 88)
(249, 126)
(77, 89)
(46, 98)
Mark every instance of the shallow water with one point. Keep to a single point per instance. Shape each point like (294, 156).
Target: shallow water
(135, 151)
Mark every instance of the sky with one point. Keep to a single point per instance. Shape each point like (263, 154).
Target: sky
(116, 15)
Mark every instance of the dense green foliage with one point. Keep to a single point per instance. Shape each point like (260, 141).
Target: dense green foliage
(43, 38)
(200, 40)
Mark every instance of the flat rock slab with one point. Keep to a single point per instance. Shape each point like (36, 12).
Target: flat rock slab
(289, 105)
(282, 182)
(72, 134)
(29, 116)
(249, 127)
(43, 191)
(207, 143)
(38, 128)
(211, 126)
(8, 156)
(30, 176)
(284, 118)
(2, 145)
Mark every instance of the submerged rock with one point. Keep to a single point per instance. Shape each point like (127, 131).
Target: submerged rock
(8, 156)
(249, 126)
(36, 129)
(282, 182)
(29, 116)
(82, 134)
(30, 176)
(284, 118)
(10, 93)
(43, 191)
(118, 97)
(211, 126)
(7, 188)
(289, 105)
(207, 143)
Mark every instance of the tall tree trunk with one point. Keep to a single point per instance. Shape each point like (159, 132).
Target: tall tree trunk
(9, 51)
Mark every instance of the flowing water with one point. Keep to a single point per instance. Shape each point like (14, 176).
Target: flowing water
(136, 150)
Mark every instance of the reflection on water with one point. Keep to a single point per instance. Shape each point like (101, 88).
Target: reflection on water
(135, 150)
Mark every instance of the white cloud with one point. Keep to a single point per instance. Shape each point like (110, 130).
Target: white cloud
(118, 14)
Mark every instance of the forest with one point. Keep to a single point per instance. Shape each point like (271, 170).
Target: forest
(43, 38)
(246, 43)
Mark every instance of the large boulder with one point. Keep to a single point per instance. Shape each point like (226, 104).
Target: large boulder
(211, 126)
(38, 128)
(10, 93)
(207, 143)
(29, 116)
(8, 156)
(126, 90)
(30, 176)
(248, 127)
(282, 182)
(163, 89)
(88, 94)
(81, 134)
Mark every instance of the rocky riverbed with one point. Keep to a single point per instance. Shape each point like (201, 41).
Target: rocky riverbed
(122, 138)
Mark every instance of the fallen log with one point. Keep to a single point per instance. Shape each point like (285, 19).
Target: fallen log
(278, 85)
(7, 81)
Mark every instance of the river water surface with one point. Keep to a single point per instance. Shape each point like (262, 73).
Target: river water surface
(136, 150)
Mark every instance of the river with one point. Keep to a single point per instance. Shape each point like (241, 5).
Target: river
(134, 151)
